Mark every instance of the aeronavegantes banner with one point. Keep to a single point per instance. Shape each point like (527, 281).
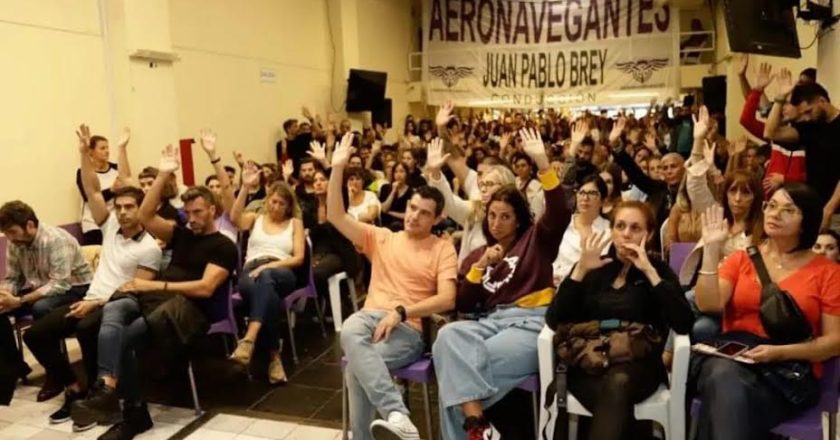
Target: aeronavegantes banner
(527, 53)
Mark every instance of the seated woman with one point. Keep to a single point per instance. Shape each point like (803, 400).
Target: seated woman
(276, 246)
(612, 177)
(331, 252)
(509, 278)
(525, 181)
(361, 204)
(627, 286)
(737, 402)
(828, 245)
(586, 221)
(395, 197)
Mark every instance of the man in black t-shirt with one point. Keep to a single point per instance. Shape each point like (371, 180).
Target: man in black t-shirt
(190, 294)
(817, 129)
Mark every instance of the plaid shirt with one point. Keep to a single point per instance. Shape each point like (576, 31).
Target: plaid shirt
(54, 261)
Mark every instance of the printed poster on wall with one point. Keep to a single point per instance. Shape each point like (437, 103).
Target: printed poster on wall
(531, 53)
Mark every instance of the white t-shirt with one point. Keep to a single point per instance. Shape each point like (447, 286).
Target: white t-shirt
(106, 180)
(362, 208)
(119, 259)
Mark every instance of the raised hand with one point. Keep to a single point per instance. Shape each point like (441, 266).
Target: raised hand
(318, 151)
(288, 168)
(765, 76)
(701, 123)
(444, 115)
(534, 147)
(773, 181)
(617, 129)
(435, 159)
(715, 227)
(342, 152)
(251, 176)
(743, 63)
(650, 141)
(237, 156)
(125, 137)
(208, 142)
(739, 146)
(786, 83)
(709, 152)
(591, 247)
(504, 140)
(580, 130)
(170, 159)
(83, 133)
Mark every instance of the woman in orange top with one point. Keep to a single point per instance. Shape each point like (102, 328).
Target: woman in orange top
(737, 402)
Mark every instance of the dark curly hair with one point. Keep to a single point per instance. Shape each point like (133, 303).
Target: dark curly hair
(512, 196)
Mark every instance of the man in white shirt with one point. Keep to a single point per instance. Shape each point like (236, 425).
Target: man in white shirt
(127, 252)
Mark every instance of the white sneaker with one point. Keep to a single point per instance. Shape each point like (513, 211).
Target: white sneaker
(397, 427)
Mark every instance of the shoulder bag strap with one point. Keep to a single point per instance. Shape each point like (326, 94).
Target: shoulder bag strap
(761, 270)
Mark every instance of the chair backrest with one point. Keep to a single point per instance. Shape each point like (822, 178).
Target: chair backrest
(830, 384)
(663, 231)
(678, 253)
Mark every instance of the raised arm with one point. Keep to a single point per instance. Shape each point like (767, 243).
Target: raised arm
(123, 167)
(90, 183)
(713, 292)
(207, 139)
(243, 220)
(773, 129)
(318, 151)
(160, 228)
(455, 207)
(336, 212)
(553, 222)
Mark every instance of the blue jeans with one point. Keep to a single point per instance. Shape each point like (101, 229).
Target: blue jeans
(706, 326)
(369, 384)
(263, 295)
(47, 304)
(123, 326)
(484, 360)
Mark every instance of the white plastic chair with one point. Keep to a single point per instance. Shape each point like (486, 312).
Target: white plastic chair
(663, 231)
(666, 406)
(334, 283)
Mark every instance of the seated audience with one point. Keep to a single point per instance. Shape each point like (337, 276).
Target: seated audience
(396, 196)
(127, 252)
(276, 248)
(737, 402)
(626, 285)
(362, 205)
(98, 152)
(611, 175)
(45, 270)
(828, 245)
(172, 311)
(525, 181)
(413, 276)
(219, 184)
(410, 160)
(510, 281)
(586, 220)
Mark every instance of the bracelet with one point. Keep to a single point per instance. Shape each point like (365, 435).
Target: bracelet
(216, 160)
(779, 100)
(707, 272)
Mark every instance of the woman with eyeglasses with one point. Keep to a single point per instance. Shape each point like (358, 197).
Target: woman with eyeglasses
(467, 213)
(737, 402)
(586, 220)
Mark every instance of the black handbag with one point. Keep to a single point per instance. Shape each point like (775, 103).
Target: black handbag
(781, 317)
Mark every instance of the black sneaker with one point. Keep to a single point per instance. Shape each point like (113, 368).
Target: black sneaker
(63, 413)
(136, 420)
(102, 407)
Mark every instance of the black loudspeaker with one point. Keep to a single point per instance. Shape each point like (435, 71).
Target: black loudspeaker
(365, 90)
(762, 26)
(714, 94)
(382, 113)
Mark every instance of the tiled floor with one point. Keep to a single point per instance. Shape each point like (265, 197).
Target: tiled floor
(226, 427)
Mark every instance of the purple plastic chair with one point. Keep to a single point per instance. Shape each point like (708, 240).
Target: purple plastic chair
(678, 253)
(297, 301)
(809, 426)
(532, 385)
(421, 371)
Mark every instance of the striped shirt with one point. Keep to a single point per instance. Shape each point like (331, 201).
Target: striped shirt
(53, 261)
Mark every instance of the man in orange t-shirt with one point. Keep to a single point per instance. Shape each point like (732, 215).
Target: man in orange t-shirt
(413, 276)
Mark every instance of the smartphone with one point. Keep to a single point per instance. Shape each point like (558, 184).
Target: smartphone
(732, 349)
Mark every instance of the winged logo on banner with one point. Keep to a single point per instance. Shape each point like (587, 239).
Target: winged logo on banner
(450, 74)
(642, 70)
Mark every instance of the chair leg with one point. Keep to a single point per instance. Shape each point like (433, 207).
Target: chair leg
(351, 286)
(226, 345)
(196, 404)
(428, 408)
(291, 335)
(535, 403)
(344, 405)
(832, 425)
(320, 311)
(335, 302)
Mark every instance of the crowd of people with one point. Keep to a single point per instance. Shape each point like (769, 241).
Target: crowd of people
(505, 225)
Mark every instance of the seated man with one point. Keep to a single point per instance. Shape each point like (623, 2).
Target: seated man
(189, 295)
(127, 252)
(45, 269)
(413, 276)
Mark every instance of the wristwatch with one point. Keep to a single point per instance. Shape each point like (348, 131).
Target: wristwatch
(401, 311)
